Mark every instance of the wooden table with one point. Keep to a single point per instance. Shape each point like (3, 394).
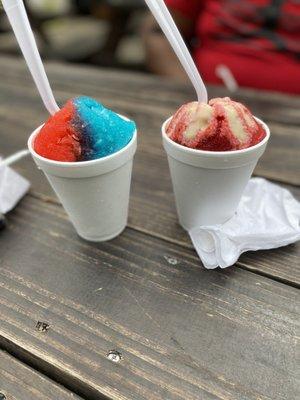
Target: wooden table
(175, 330)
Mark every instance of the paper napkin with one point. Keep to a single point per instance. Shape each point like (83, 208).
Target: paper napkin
(12, 188)
(268, 216)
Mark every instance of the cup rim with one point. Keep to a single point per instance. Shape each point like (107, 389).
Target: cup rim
(216, 154)
(76, 164)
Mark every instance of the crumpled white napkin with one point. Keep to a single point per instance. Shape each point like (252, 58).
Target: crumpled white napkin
(267, 217)
(12, 188)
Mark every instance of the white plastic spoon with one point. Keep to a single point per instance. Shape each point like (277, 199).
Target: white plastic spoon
(168, 26)
(18, 19)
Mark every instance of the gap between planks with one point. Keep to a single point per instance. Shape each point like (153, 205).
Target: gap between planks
(21, 383)
(46, 368)
(166, 239)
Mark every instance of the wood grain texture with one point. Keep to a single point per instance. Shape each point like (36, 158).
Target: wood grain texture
(149, 100)
(19, 382)
(183, 332)
(146, 89)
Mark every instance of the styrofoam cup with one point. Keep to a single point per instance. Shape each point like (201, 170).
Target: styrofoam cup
(95, 194)
(208, 185)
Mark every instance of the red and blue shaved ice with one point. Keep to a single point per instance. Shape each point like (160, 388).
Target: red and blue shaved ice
(83, 130)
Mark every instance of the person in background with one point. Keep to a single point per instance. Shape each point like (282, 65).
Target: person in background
(257, 40)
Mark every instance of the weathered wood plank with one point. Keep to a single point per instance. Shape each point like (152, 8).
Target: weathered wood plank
(19, 382)
(271, 106)
(183, 332)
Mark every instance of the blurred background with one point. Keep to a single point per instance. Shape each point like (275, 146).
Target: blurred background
(98, 32)
(248, 43)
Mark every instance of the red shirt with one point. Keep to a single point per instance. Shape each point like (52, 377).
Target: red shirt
(259, 40)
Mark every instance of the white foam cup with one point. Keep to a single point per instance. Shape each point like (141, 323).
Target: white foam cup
(208, 185)
(95, 194)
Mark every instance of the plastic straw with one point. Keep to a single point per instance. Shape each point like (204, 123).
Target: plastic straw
(14, 158)
(18, 19)
(168, 26)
